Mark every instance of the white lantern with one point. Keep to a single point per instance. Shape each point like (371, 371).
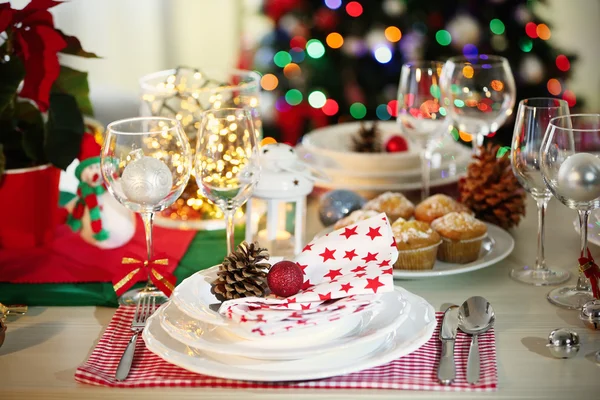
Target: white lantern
(276, 212)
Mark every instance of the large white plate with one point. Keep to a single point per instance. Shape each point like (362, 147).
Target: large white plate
(496, 247)
(363, 328)
(416, 330)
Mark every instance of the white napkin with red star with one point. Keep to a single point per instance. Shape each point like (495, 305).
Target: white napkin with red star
(345, 272)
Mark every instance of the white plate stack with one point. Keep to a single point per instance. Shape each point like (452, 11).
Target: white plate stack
(330, 149)
(190, 333)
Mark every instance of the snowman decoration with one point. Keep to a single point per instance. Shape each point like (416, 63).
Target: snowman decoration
(99, 218)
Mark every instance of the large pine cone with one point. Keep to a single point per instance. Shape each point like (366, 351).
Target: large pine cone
(242, 273)
(491, 189)
(368, 139)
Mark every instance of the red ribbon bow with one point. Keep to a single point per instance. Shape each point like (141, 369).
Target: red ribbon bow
(590, 269)
(138, 270)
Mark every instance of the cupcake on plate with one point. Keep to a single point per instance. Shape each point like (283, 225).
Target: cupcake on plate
(394, 205)
(437, 206)
(417, 245)
(354, 217)
(462, 235)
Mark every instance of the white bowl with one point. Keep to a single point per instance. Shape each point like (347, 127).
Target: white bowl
(334, 145)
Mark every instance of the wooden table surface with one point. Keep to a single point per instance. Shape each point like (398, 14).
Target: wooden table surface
(43, 348)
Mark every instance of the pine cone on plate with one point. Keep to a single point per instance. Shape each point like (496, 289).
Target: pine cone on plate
(242, 273)
(491, 189)
(368, 139)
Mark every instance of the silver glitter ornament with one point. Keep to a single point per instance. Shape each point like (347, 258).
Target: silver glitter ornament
(146, 181)
(590, 314)
(563, 343)
(579, 177)
(337, 204)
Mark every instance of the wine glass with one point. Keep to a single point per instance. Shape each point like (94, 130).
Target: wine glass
(227, 165)
(420, 115)
(146, 163)
(479, 94)
(533, 117)
(571, 170)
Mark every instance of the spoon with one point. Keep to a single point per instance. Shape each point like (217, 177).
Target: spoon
(475, 316)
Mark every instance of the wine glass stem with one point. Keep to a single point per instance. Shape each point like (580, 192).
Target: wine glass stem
(229, 227)
(582, 282)
(477, 142)
(540, 261)
(425, 172)
(148, 219)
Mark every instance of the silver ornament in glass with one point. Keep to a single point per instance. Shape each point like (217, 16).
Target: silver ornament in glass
(579, 177)
(563, 343)
(146, 181)
(338, 204)
(590, 314)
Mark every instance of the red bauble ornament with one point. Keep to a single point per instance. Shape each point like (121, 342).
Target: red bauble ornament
(285, 278)
(396, 144)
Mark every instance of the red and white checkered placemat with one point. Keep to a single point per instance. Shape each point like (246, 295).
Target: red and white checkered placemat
(416, 371)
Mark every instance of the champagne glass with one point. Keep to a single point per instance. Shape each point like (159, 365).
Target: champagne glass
(533, 117)
(227, 165)
(479, 94)
(571, 169)
(420, 115)
(146, 163)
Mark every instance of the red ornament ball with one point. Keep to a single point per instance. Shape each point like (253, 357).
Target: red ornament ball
(285, 278)
(396, 144)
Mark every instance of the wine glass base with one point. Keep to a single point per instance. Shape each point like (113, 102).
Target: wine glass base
(569, 297)
(542, 277)
(131, 297)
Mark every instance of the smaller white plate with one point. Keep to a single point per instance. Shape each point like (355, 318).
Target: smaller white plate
(353, 330)
(416, 330)
(496, 247)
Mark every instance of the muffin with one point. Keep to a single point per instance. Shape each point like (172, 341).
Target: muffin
(394, 205)
(354, 217)
(437, 206)
(462, 235)
(417, 245)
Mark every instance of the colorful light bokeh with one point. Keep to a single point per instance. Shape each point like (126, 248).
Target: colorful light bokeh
(383, 54)
(563, 63)
(333, 4)
(393, 34)
(282, 58)
(293, 97)
(443, 37)
(269, 82)
(543, 31)
(525, 45)
(334, 40)
(554, 87)
(354, 9)
(330, 108)
(292, 71)
(358, 110)
(315, 48)
(317, 99)
(468, 71)
(497, 27)
(570, 98)
(392, 108)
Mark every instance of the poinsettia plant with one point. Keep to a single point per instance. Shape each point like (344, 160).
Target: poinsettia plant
(42, 103)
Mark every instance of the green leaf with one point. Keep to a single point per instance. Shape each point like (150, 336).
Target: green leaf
(64, 130)
(75, 83)
(11, 73)
(74, 46)
(502, 151)
(31, 126)
(2, 161)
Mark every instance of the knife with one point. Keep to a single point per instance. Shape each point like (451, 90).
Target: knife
(446, 369)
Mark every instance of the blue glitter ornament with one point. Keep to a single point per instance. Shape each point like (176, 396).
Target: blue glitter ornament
(337, 204)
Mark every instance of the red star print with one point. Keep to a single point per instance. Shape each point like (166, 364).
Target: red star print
(394, 242)
(346, 287)
(295, 314)
(373, 233)
(325, 297)
(327, 254)
(384, 218)
(302, 267)
(305, 306)
(259, 318)
(374, 284)
(387, 271)
(350, 255)
(384, 263)
(360, 275)
(291, 300)
(259, 331)
(243, 319)
(301, 322)
(287, 328)
(306, 284)
(308, 247)
(333, 273)
(370, 257)
(349, 232)
(359, 269)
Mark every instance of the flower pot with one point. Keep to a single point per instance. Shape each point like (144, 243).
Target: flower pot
(28, 206)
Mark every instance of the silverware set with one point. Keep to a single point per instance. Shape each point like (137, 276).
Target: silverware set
(474, 317)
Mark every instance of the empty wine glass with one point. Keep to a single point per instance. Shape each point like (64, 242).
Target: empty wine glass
(571, 170)
(533, 117)
(146, 163)
(227, 166)
(419, 113)
(479, 94)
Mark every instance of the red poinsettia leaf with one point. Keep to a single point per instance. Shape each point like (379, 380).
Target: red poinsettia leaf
(37, 48)
(34, 6)
(74, 46)
(35, 17)
(6, 16)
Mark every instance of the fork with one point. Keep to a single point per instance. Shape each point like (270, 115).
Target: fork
(143, 311)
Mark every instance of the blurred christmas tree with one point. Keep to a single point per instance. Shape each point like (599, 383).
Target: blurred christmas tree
(329, 61)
